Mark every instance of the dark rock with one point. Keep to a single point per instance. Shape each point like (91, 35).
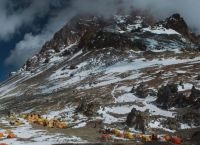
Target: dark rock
(135, 119)
(73, 67)
(167, 96)
(179, 100)
(163, 95)
(151, 92)
(66, 53)
(82, 107)
(173, 88)
(71, 33)
(142, 91)
(154, 137)
(157, 143)
(176, 22)
(46, 60)
(171, 123)
(131, 118)
(71, 75)
(139, 44)
(195, 93)
(198, 77)
(88, 109)
(132, 90)
(104, 39)
(191, 117)
(196, 136)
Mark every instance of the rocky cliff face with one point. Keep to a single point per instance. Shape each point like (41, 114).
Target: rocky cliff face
(95, 32)
(176, 22)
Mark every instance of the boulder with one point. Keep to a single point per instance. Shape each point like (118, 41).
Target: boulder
(132, 90)
(163, 95)
(131, 118)
(71, 67)
(198, 77)
(195, 93)
(167, 96)
(88, 109)
(82, 107)
(136, 120)
(180, 100)
(142, 91)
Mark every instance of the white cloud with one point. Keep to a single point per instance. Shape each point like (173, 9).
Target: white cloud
(11, 22)
(31, 44)
(189, 9)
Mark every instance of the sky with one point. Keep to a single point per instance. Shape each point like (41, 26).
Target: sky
(27, 24)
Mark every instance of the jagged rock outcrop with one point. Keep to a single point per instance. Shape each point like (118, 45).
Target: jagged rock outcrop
(136, 120)
(195, 93)
(195, 98)
(71, 33)
(168, 96)
(95, 32)
(176, 22)
(88, 109)
(142, 90)
(165, 93)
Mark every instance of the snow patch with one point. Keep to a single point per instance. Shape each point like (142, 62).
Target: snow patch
(160, 30)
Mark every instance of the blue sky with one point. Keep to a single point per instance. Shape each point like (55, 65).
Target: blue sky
(7, 46)
(5, 51)
(25, 26)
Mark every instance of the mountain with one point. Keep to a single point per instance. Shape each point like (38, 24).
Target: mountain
(97, 68)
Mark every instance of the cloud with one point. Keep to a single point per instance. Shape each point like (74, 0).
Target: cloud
(31, 44)
(60, 11)
(103, 7)
(161, 9)
(24, 48)
(189, 9)
(13, 15)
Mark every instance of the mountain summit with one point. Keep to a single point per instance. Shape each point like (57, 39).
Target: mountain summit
(93, 31)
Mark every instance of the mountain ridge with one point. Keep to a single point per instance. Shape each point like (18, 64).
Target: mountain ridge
(76, 31)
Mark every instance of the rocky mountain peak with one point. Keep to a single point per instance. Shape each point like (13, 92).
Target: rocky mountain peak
(72, 32)
(133, 31)
(176, 22)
